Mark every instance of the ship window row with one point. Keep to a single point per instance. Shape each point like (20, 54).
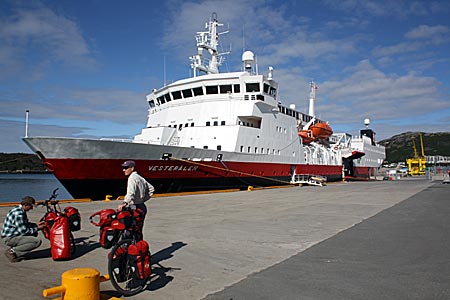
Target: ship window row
(293, 113)
(208, 123)
(259, 150)
(287, 111)
(198, 91)
(218, 147)
(215, 123)
(180, 126)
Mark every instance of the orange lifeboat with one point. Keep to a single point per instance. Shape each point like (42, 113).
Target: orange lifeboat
(321, 130)
(307, 136)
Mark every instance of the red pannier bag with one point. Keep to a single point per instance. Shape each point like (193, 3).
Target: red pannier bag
(74, 218)
(119, 263)
(123, 220)
(60, 238)
(108, 236)
(140, 258)
(105, 217)
(49, 219)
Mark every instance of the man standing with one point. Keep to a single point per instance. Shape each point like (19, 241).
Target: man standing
(18, 233)
(138, 189)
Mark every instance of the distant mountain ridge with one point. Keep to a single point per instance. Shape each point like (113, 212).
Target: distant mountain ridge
(400, 147)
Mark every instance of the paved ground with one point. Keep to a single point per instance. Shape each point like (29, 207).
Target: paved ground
(401, 253)
(204, 243)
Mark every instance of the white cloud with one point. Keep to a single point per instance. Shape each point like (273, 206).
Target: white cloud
(49, 37)
(436, 34)
(366, 90)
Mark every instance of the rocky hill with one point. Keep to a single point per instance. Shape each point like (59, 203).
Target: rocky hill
(400, 147)
(21, 162)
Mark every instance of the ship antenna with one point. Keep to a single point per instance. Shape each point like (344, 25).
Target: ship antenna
(208, 40)
(312, 97)
(26, 123)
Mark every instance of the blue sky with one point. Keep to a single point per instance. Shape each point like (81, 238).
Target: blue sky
(83, 68)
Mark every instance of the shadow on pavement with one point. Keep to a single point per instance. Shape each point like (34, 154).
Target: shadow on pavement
(83, 246)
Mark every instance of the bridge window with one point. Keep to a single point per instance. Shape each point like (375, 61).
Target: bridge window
(212, 89)
(224, 89)
(176, 95)
(252, 87)
(237, 88)
(187, 93)
(198, 91)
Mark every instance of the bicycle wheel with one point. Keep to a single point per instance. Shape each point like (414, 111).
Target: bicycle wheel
(121, 272)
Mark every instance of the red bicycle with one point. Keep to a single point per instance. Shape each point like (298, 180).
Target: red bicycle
(129, 261)
(59, 227)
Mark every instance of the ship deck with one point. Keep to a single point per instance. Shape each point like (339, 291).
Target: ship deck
(273, 244)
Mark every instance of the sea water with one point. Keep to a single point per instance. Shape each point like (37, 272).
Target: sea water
(13, 187)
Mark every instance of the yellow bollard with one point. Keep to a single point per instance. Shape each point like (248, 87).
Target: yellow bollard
(78, 284)
(108, 198)
(250, 188)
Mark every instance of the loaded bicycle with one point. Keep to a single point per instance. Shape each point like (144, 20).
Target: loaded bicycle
(129, 265)
(59, 227)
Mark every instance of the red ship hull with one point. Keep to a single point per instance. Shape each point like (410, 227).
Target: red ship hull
(96, 178)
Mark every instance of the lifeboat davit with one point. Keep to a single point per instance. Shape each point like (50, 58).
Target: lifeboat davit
(321, 130)
(307, 136)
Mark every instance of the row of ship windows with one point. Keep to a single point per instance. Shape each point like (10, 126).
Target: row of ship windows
(213, 90)
(249, 150)
(222, 123)
(293, 113)
(208, 123)
(215, 123)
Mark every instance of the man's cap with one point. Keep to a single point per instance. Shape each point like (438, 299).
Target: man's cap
(128, 164)
(28, 199)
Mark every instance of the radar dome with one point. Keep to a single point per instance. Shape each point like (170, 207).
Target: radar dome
(248, 57)
(367, 121)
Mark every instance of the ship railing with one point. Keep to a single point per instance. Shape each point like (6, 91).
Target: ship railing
(117, 140)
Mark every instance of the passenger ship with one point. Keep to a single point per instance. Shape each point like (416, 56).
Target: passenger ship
(212, 131)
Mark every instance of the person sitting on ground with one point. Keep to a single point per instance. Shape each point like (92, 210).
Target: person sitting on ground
(18, 234)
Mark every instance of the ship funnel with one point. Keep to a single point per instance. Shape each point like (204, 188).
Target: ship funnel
(248, 58)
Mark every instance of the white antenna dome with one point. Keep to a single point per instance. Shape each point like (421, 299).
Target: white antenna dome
(292, 106)
(367, 121)
(248, 58)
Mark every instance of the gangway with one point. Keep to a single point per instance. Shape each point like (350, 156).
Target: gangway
(308, 179)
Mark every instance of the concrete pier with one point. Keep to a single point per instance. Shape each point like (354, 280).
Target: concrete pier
(211, 245)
